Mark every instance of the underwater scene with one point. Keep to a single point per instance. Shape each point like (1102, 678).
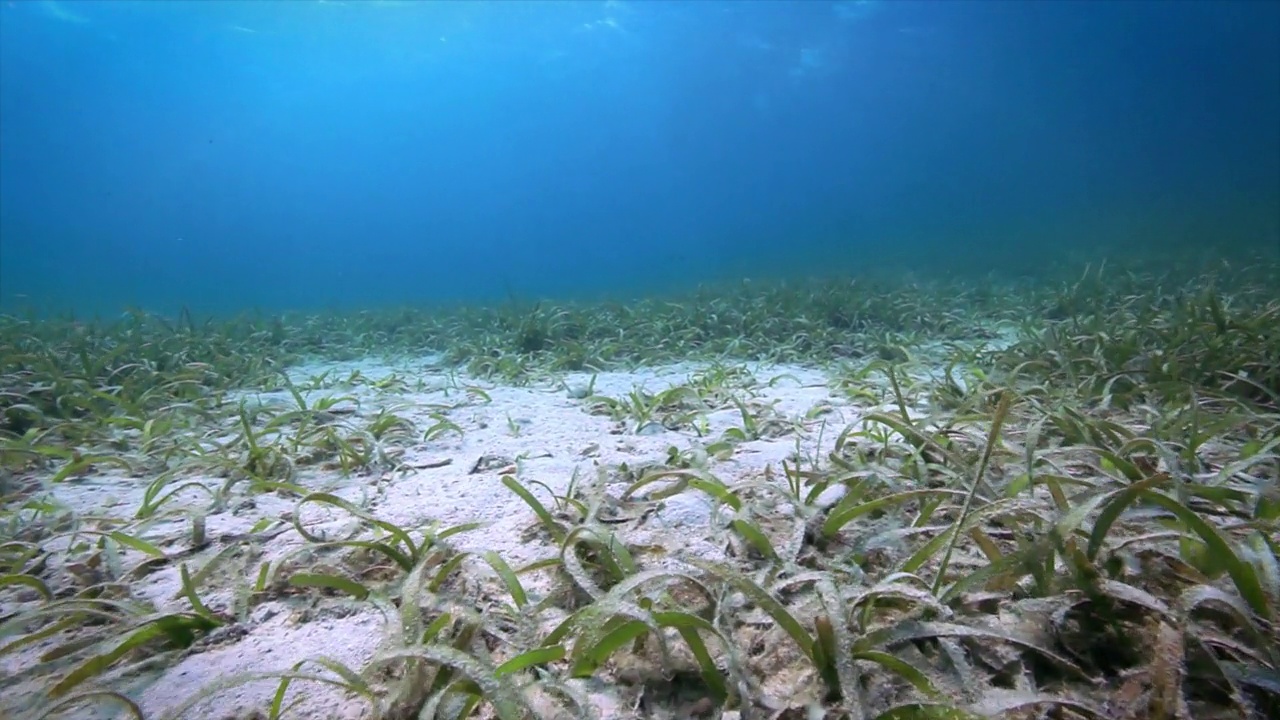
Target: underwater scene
(772, 360)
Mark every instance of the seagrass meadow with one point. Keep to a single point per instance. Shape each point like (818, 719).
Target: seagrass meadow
(856, 498)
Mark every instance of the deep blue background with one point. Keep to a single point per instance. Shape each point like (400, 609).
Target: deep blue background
(229, 155)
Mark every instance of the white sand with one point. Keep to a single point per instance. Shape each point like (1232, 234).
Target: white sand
(551, 433)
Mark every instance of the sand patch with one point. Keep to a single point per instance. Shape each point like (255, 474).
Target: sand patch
(549, 435)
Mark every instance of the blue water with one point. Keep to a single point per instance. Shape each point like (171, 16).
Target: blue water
(307, 155)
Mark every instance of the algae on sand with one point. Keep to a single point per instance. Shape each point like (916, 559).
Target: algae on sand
(886, 501)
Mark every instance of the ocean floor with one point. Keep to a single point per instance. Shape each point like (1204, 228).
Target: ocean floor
(1052, 503)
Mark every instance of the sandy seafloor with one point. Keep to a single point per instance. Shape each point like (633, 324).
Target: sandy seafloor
(543, 433)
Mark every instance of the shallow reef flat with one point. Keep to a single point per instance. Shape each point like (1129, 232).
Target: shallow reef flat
(832, 499)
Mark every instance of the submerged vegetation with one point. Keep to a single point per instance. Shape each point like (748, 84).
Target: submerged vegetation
(1058, 502)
